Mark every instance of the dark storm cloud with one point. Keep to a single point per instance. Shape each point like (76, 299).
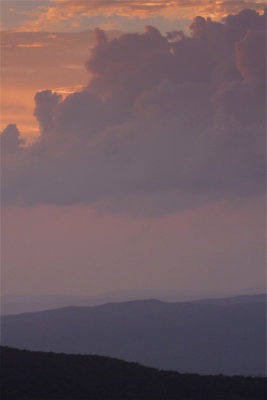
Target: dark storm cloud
(172, 120)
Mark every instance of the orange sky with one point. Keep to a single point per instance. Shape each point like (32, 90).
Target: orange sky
(33, 62)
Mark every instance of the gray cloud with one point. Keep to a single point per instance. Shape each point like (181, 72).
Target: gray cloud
(173, 122)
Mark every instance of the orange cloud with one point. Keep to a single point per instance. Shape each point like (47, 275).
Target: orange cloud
(67, 13)
(27, 45)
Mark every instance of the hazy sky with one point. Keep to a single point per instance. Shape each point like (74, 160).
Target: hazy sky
(133, 146)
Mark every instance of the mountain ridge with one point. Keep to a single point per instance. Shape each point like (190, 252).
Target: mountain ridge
(189, 337)
(241, 299)
(12, 304)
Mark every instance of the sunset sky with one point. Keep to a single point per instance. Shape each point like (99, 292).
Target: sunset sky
(133, 146)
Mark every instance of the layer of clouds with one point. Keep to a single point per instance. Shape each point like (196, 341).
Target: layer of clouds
(65, 15)
(166, 122)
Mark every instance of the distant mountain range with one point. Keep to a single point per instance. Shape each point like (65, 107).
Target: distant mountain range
(17, 304)
(208, 337)
(49, 376)
(243, 299)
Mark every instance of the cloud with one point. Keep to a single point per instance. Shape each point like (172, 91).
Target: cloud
(11, 140)
(68, 14)
(162, 125)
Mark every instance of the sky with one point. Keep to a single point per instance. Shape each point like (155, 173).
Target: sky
(133, 146)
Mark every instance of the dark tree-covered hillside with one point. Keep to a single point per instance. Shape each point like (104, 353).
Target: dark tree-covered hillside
(50, 376)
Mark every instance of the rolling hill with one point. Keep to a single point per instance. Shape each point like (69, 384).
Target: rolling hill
(187, 337)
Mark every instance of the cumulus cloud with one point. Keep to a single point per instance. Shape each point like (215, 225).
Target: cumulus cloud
(11, 140)
(166, 122)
